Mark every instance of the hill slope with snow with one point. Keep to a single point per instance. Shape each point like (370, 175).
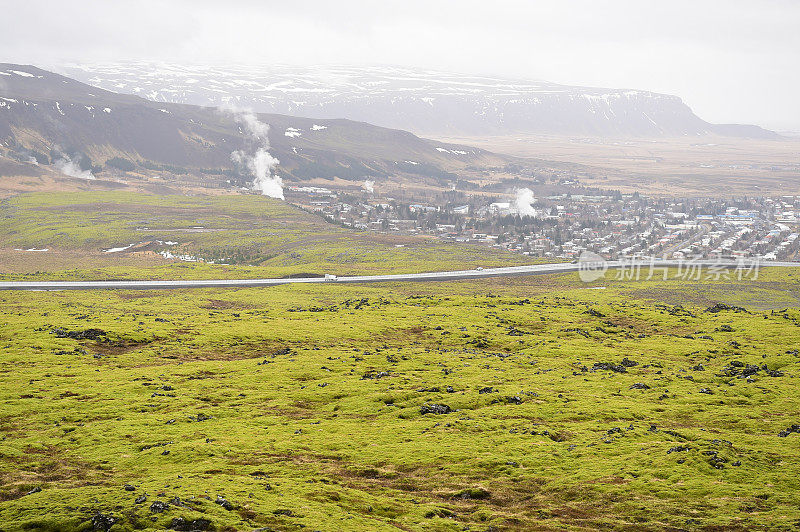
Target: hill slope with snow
(47, 116)
(425, 102)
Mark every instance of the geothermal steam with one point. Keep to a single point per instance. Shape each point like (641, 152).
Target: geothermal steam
(257, 159)
(369, 186)
(68, 167)
(523, 203)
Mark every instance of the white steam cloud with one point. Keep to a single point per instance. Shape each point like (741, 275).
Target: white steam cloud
(67, 167)
(259, 162)
(369, 186)
(523, 202)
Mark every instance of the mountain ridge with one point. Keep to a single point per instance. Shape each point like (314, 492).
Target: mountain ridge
(44, 115)
(424, 102)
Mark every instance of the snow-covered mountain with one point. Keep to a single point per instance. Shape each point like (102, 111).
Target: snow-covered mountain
(425, 102)
(46, 117)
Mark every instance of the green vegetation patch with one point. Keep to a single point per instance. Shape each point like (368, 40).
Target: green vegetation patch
(121, 235)
(524, 403)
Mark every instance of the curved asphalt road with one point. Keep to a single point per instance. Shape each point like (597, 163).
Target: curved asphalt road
(536, 269)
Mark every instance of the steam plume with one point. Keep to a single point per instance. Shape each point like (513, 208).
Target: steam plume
(369, 186)
(68, 167)
(259, 162)
(523, 203)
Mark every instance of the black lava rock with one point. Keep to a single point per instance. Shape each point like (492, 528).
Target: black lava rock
(157, 507)
(508, 399)
(88, 334)
(719, 307)
(434, 409)
(222, 501)
(103, 522)
(618, 368)
(678, 449)
(179, 523)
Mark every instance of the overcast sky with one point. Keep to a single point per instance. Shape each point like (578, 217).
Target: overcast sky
(730, 60)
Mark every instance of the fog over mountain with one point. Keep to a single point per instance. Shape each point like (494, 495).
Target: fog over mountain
(423, 101)
(45, 117)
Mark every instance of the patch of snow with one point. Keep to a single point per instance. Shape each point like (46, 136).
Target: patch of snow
(117, 250)
(23, 74)
(316, 127)
(184, 258)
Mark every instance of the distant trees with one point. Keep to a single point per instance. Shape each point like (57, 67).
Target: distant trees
(178, 170)
(22, 154)
(121, 164)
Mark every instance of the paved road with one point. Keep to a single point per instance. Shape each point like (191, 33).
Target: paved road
(536, 269)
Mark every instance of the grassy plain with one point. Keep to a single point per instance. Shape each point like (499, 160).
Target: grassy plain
(691, 166)
(246, 235)
(536, 403)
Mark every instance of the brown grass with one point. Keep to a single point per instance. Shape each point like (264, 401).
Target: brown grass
(709, 166)
(49, 464)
